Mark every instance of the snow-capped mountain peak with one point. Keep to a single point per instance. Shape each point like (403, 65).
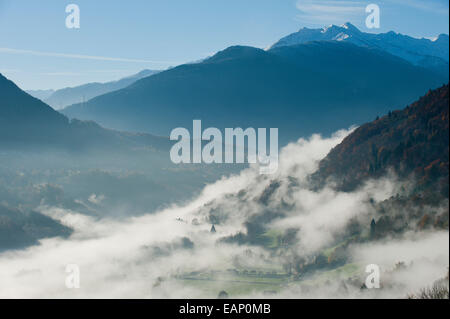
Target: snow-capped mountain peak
(417, 51)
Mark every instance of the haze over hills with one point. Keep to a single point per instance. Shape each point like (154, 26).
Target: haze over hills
(432, 54)
(303, 89)
(61, 98)
(270, 229)
(279, 230)
(48, 160)
(41, 94)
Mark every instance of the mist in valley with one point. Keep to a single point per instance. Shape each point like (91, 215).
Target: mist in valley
(138, 232)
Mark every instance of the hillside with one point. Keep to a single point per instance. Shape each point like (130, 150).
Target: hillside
(41, 94)
(414, 142)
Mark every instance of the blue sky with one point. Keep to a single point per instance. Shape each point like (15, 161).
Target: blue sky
(118, 38)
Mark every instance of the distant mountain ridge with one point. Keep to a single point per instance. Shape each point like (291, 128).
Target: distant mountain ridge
(41, 94)
(304, 89)
(61, 98)
(433, 54)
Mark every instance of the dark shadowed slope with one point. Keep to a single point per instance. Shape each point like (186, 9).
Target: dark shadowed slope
(41, 94)
(318, 87)
(414, 142)
(27, 121)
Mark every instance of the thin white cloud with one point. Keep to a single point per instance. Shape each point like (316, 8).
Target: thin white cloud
(79, 56)
(320, 11)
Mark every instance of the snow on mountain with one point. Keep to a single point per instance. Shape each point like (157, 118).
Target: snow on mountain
(424, 52)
